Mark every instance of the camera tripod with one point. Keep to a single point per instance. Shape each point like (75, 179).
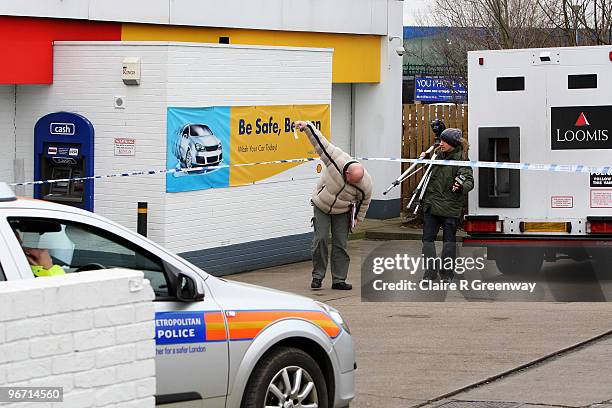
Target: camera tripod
(419, 191)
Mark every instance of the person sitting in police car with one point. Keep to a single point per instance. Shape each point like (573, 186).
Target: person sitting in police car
(40, 260)
(41, 263)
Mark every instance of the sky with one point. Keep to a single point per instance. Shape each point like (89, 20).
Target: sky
(415, 11)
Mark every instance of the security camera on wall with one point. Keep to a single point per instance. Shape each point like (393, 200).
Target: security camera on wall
(400, 48)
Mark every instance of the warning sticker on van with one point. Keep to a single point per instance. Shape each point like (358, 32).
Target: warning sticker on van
(601, 180)
(562, 202)
(601, 198)
(581, 127)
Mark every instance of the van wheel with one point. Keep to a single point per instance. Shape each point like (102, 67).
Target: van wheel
(286, 377)
(519, 261)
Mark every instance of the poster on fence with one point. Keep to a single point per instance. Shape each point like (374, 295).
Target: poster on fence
(217, 146)
(438, 89)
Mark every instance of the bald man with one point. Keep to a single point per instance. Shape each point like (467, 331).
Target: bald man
(341, 199)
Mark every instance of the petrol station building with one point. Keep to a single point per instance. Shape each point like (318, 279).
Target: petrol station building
(94, 87)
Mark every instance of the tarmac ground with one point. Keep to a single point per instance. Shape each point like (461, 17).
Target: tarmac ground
(469, 351)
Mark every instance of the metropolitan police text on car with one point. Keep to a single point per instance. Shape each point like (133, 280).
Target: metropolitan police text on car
(179, 327)
(177, 332)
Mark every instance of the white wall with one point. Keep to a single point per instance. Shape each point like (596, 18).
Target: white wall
(342, 117)
(86, 79)
(378, 112)
(7, 136)
(235, 75)
(337, 16)
(91, 333)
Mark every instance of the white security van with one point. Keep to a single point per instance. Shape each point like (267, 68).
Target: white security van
(551, 106)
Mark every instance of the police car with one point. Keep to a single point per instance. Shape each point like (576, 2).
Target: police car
(219, 343)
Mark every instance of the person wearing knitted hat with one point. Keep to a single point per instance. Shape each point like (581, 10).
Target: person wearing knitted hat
(443, 203)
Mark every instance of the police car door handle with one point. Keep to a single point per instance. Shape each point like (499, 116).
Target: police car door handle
(230, 313)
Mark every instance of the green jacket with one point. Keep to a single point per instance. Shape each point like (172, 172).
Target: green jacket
(439, 198)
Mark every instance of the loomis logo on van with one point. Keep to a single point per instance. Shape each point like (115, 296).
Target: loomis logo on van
(581, 127)
(582, 120)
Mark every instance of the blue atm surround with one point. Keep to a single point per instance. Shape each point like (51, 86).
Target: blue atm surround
(64, 148)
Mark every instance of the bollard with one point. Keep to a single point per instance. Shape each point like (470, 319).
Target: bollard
(141, 226)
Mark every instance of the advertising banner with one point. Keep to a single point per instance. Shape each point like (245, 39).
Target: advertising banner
(438, 89)
(221, 137)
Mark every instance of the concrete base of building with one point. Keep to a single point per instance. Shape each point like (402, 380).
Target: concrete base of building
(253, 255)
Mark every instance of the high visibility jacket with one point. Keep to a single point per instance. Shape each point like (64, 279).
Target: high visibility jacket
(55, 270)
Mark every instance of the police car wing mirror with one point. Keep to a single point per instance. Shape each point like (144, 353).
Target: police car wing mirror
(188, 289)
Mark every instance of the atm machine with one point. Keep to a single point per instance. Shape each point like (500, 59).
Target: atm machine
(64, 149)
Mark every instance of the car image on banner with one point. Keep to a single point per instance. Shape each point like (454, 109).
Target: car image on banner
(198, 146)
(197, 137)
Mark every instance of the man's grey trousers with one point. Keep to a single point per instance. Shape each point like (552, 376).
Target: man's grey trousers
(339, 254)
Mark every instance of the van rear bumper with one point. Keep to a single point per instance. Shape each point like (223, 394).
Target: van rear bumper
(534, 240)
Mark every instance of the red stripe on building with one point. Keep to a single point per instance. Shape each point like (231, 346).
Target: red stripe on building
(26, 45)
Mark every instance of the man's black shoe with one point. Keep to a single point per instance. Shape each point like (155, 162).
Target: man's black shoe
(430, 276)
(447, 277)
(342, 286)
(315, 284)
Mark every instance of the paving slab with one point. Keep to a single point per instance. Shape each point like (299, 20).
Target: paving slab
(412, 352)
(575, 379)
(391, 229)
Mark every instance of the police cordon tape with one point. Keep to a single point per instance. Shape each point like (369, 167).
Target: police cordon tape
(566, 168)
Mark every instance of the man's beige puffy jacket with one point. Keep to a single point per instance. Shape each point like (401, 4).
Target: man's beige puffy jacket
(333, 195)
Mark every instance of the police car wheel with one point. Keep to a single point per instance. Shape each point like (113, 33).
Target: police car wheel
(519, 261)
(286, 377)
